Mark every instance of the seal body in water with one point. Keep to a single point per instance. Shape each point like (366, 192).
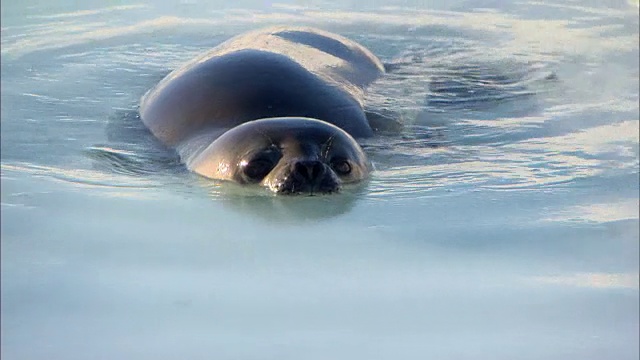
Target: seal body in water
(279, 107)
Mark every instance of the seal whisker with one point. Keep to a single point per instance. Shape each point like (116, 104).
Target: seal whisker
(326, 146)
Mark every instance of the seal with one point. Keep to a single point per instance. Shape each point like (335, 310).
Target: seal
(279, 107)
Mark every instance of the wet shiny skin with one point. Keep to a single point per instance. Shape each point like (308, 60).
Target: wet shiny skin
(296, 154)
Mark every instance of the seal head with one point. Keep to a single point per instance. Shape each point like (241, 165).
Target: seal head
(288, 155)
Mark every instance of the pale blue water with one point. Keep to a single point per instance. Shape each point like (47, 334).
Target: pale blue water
(501, 224)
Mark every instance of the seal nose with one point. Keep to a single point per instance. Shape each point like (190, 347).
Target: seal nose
(309, 169)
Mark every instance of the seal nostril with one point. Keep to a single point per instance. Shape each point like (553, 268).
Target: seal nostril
(317, 169)
(301, 170)
(310, 169)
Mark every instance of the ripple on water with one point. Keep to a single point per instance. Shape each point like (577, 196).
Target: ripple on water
(480, 113)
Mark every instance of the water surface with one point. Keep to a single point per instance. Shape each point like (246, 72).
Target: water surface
(502, 223)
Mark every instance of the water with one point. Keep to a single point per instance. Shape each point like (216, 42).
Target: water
(502, 223)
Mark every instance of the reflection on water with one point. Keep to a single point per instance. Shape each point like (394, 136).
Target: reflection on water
(293, 210)
(593, 280)
(503, 217)
(625, 209)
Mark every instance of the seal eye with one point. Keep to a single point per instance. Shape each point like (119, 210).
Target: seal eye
(341, 166)
(257, 169)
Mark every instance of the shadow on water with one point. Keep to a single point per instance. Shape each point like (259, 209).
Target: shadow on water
(443, 103)
(445, 83)
(481, 86)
